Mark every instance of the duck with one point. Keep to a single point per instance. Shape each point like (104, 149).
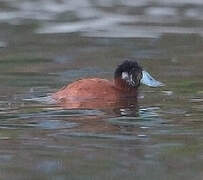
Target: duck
(98, 92)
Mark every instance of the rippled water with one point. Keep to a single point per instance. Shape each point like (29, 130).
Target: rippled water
(47, 44)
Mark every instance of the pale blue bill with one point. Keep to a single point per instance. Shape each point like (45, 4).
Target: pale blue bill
(148, 80)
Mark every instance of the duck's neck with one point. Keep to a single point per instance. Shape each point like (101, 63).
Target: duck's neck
(123, 86)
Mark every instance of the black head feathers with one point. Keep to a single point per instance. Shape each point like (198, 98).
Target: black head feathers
(128, 74)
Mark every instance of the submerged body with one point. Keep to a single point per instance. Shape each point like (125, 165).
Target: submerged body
(96, 92)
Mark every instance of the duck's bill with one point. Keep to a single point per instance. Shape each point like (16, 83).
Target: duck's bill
(148, 80)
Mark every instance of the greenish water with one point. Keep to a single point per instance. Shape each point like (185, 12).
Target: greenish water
(161, 139)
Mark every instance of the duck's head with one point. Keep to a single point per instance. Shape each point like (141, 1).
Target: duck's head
(129, 75)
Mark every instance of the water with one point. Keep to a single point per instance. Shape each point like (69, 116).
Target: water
(45, 45)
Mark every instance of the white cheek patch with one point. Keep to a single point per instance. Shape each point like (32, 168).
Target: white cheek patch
(128, 78)
(125, 76)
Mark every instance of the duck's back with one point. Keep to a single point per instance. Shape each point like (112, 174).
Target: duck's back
(88, 88)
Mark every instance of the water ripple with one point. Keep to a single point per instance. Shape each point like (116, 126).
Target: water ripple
(104, 18)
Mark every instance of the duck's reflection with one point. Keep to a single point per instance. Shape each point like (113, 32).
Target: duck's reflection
(120, 117)
(100, 122)
(121, 106)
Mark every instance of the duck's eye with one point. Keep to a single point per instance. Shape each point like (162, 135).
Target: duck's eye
(139, 77)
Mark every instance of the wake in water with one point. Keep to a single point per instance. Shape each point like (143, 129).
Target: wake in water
(46, 99)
